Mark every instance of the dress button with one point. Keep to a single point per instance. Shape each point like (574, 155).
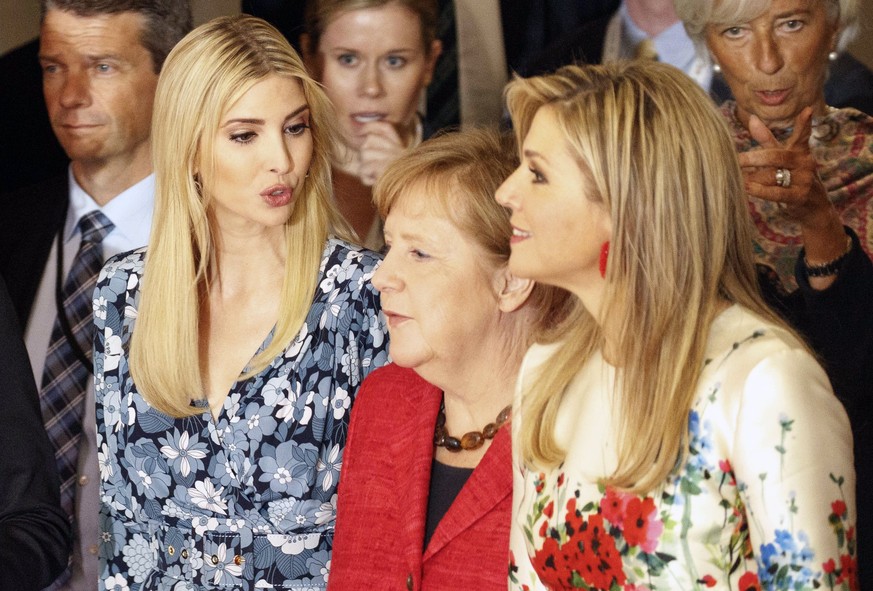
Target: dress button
(83, 480)
(214, 559)
(171, 550)
(409, 583)
(184, 554)
(92, 550)
(238, 560)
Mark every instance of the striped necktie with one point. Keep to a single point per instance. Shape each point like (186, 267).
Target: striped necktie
(66, 373)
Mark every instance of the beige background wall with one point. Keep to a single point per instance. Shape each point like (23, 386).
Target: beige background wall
(19, 19)
(19, 22)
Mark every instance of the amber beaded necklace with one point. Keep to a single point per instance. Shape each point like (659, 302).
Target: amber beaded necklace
(473, 439)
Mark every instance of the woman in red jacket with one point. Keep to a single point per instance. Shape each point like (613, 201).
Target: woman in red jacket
(425, 492)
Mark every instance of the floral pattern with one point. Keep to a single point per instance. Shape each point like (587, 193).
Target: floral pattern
(248, 500)
(764, 499)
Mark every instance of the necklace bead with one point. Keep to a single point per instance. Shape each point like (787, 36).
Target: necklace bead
(469, 441)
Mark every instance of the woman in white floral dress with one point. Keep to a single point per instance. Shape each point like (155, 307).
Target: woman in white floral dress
(680, 436)
(227, 356)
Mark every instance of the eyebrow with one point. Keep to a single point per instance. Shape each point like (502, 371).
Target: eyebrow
(534, 154)
(249, 121)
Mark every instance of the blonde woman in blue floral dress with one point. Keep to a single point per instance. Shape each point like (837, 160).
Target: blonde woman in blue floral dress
(679, 435)
(228, 355)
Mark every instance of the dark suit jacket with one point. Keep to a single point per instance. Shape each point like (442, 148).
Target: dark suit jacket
(35, 535)
(31, 219)
(383, 492)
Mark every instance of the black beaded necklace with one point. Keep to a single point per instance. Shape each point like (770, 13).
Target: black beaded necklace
(473, 439)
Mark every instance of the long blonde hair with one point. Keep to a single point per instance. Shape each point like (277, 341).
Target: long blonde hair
(206, 73)
(662, 162)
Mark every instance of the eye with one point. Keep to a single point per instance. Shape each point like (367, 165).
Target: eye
(347, 59)
(793, 25)
(296, 129)
(733, 32)
(395, 61)
(538, 178)
(103, 68)
(243, 137)
(419, 254)
(50, 69)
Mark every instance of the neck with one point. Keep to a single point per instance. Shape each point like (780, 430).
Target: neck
(652, 16)
(104, 180)
(247, 259)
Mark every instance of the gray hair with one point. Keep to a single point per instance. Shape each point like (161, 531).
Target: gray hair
(698, 14)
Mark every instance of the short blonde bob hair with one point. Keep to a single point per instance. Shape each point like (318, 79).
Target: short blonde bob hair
(699, 14)
(204, 75)
(459, 173)
(661, 161)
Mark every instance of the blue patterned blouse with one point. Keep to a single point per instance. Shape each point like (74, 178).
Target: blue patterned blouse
(249, 500)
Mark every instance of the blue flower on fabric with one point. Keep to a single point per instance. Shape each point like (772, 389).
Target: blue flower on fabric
(288, 471)
(184, 453)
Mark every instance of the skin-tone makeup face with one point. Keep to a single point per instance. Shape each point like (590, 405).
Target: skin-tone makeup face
(776, 63)
(262, 152)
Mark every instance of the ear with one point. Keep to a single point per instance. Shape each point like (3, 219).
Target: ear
(512, 291)
(436, 49)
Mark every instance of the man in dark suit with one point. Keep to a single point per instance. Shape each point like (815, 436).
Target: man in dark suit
(35, 535)
(100, 63)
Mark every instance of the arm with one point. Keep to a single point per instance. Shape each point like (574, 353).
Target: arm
(792, 457)
(35, 536)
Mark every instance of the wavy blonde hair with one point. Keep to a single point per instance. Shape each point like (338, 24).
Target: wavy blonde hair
(662, 163)
(206, 73)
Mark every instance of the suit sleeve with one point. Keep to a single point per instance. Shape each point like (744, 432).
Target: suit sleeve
(35, 535)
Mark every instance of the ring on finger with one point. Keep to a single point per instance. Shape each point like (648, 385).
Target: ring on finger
(783, 177)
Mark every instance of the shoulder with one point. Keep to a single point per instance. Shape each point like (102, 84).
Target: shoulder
(347, 268)
(123, 266)
(394, 385)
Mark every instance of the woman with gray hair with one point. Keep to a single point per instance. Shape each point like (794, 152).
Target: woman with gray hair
(809, 175)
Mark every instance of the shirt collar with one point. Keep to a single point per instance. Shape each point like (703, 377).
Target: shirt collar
(128, 211)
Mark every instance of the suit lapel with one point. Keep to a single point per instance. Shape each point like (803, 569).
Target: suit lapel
(488, 485)
(418, 404)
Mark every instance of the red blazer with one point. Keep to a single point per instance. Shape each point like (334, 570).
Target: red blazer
(383, 492)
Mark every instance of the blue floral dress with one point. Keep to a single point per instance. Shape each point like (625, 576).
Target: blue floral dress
(249, 500)
(765, 499)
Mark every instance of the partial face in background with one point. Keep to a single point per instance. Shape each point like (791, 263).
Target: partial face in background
(374, 66)
(558, 225)
(437, 290)
(776, 63)
(99, 84)
(262, 152)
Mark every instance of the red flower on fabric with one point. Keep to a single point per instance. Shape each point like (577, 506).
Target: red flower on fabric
(613, 505)
(641, 525)
(749, 582)
(829, 566)
(848, 571)
(549, 509)
(839, 508)
(850, 533)
(708, 580)
(725, 466)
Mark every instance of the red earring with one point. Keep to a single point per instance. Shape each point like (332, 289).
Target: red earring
(604, 257)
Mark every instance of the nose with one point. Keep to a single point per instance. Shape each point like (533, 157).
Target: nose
(386, 277)
(768, 53)
(371, 81)
(506, 194)
(282, 162)
(75, 90)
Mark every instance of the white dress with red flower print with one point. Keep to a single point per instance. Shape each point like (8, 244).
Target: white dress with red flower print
(765, 499)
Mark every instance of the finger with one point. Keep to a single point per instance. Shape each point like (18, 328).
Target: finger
(767, 176)
(380, 129)
(802, 130)
(761, 134)
(770, 192)
(772, 158)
